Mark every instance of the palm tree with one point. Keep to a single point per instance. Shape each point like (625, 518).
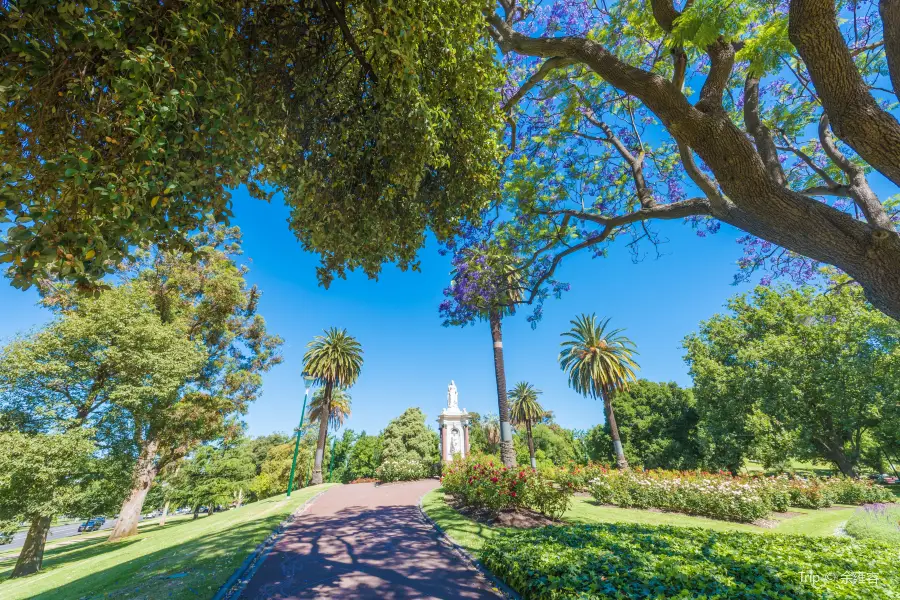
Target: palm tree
(526, 410)
(491, 426)
(340, 407)
(334, 360)
(599, 363)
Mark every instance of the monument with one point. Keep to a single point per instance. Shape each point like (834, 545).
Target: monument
(454, 427)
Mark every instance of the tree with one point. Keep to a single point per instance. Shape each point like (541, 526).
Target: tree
(127, 123)
(553, 445)
(99, 365)
(477, 436)
(816, 369)
(335, 361)
(204, 294)
(624, 113)
(342, 448)
(43, 475)
(408, 438)
(485, 286)
(340, 407)
(599, 364)
(213, 477)
(658, 427)
(365, 456)
(526, 410)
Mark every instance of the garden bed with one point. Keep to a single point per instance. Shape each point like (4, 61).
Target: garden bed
(518, 517)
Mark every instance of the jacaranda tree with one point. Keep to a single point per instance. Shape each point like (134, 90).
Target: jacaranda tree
(335, 361)
(778, 118)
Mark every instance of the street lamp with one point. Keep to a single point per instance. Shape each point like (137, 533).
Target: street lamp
(307, 384)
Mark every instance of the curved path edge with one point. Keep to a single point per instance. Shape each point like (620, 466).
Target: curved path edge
(242, 575)
(466, 556)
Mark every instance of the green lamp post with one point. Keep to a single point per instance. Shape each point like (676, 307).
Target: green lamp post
(307, 384)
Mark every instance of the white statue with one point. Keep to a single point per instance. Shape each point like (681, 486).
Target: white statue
(454, 441)
(452, 396)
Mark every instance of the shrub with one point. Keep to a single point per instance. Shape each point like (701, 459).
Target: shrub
(639, 561)
(875, 522)
(718, 497)
(843, 490)
(402, 469)
(481, 483)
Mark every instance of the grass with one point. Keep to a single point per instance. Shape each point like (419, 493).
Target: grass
(807, 468)
(185, 559)
(472, 535)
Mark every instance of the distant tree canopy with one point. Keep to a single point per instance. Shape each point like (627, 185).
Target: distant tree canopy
(408, 438)
(795, 372)
(658, 425)
(128, 122)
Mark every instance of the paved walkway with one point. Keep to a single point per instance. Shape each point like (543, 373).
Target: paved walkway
(365, 541)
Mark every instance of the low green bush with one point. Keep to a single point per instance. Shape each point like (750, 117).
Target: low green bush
(876, 522)
(638, 561)
(402, 470)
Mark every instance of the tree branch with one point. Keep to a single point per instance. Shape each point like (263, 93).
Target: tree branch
(856, 118)
(549, 65)
(707, 185)
(761, 134)
(721, 57)
(859, 188)
(338, 15)
(890, 19)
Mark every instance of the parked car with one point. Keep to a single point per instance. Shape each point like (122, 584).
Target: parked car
(90, 525)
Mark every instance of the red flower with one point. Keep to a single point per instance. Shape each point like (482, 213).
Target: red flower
(513, 494)
(493, 480)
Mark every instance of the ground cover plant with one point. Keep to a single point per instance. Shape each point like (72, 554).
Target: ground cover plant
(875, 522)
(185, 559)
(638, 561)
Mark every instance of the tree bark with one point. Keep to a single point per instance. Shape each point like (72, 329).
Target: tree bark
(323, 434)
(32, 555)
(621, 461)
(507, 452)
(162, 519)
(531, 445)
(855, 115)
(130, 514)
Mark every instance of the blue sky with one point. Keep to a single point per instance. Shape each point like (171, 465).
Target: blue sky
(410, 358)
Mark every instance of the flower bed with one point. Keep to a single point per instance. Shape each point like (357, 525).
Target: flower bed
(482, 484)
(721, 496)
(639, 561)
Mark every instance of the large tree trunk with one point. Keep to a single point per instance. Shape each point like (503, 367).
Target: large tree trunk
(162, 519)
(531, 445)
(621, 461)
(323, 435)
(507, 452)
(130, 514)
(32, 555)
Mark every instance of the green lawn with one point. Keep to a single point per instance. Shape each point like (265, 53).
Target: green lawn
(472, 535)
(185, 559)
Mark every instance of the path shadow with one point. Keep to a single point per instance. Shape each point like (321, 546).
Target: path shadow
(387, 552)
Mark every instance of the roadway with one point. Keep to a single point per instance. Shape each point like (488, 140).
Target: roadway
(55, 533)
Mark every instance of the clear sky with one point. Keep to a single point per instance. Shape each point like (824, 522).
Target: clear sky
(410, 358)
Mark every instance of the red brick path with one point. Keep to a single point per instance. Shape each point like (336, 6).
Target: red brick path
(365, 541)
